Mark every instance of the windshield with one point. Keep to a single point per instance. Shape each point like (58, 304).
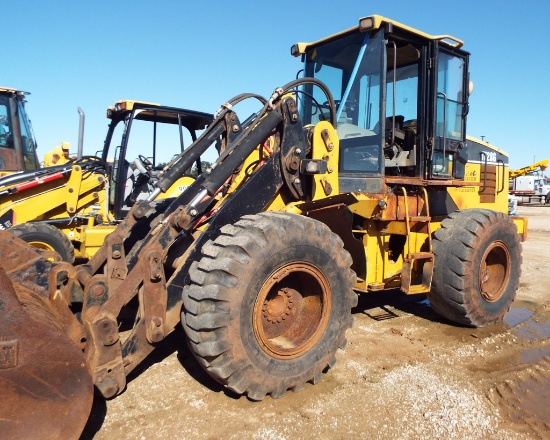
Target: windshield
(351, 67)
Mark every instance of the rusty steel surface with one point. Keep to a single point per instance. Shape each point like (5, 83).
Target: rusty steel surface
(37, 282)
(141, 273)
(153, 297)
(494, 273)
(46, 388)
(396, 206)
(292, 310)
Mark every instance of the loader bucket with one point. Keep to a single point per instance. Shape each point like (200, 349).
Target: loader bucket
(46, 391)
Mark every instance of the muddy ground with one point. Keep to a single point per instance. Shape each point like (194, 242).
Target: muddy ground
(406, 374)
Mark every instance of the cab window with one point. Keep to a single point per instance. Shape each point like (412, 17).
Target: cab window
(450, 113)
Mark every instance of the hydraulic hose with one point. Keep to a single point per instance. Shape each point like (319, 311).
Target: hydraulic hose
(307, 80)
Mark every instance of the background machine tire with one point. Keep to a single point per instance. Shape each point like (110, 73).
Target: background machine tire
(477, 256)
(269, 303)
(46, 237)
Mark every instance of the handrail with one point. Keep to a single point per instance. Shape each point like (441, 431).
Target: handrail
(501, 163)
(407, 221)
(457, 42)
(429, 216)
(484, 173)
(444, 125)
(394, 91)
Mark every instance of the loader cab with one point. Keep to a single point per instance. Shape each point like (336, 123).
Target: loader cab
(17, 143)
(401, 98)
(142, 140)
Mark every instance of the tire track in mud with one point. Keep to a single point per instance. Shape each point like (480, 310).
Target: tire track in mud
(522, 394)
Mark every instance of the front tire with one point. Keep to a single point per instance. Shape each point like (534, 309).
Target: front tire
(477, 256)
(269, 303)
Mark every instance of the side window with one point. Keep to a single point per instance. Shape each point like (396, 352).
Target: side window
(401, 126)
(406, 92)
(27, 140)
(449, 128)
(6, 140)
(450, 96)
(113, 159)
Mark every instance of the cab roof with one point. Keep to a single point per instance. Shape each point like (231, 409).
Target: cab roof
(374, 22)
(12, 90)
(150, 111)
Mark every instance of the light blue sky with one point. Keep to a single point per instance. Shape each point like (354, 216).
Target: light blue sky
(199, 54)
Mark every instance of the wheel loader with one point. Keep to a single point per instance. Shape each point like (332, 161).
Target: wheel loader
(71, 208)
(357, 178)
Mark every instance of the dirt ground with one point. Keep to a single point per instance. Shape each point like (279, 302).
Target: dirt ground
(405, 374)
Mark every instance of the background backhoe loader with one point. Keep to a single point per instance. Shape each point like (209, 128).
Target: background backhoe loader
(71, 208)
(338, 185)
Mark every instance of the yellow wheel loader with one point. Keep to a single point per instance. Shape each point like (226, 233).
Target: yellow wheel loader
(71, 208)
(357, 178)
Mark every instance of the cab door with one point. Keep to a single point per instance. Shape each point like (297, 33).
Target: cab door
(449, 108)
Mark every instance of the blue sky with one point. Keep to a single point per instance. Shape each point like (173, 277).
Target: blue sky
(199, 54)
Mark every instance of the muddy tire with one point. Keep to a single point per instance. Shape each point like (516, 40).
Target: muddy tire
(45, 237)
(477, 265)
(269, 304)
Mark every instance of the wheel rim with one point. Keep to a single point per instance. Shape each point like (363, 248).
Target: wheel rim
(41, 245)
(44, 247)
(494, 274)
(292, 310)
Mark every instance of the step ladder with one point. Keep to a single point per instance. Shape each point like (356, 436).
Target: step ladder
(423, 283)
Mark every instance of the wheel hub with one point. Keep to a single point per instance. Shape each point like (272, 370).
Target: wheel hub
(279, 308)
(292, 310)
(494, 273)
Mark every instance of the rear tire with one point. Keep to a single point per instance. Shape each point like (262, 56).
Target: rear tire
(45, 237)
(269, 304)
(477, 256)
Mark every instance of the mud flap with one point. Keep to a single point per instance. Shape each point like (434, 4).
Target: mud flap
(46, 390)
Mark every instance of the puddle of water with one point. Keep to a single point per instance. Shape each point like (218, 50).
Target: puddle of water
(534, 331)
(517, 315)
(533, 355)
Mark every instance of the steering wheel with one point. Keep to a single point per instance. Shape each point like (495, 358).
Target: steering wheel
(143, 165)
(326, 104)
